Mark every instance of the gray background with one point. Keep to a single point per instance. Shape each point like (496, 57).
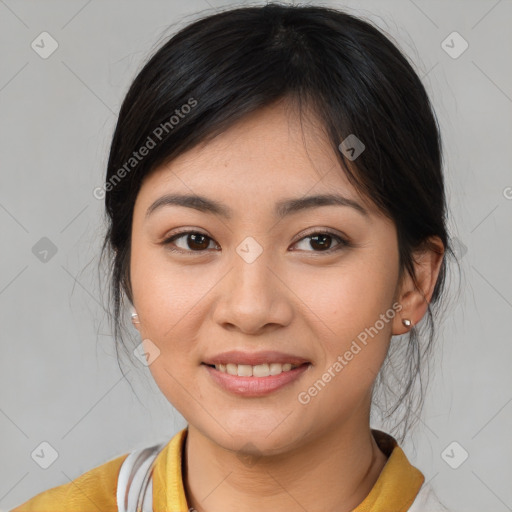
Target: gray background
(60, 382)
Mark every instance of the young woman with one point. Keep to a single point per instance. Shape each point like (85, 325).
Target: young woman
(276, 214)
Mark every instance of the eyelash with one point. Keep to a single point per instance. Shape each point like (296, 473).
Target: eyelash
(342, 242)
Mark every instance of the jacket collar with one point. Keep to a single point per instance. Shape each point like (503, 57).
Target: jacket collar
(394, 491)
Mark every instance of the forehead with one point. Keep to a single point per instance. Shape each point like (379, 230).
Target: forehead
(271, 153)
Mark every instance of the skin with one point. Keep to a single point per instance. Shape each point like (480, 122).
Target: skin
(293, 298)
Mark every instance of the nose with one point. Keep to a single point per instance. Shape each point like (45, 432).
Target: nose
(253, 297)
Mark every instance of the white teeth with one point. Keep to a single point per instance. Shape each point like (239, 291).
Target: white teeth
(276, 368)
(244, 370)
(259, 370)
(232, 369)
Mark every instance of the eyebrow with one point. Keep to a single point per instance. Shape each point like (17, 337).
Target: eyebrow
(282, 208)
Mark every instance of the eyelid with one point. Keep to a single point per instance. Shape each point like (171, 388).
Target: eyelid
(315, 231)
(183, 231)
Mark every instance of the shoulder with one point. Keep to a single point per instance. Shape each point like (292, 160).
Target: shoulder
(94, 490)
(427, 501)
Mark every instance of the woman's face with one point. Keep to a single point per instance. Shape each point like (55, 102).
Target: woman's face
(257, 287)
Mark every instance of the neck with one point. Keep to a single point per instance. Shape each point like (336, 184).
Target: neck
(333, 472)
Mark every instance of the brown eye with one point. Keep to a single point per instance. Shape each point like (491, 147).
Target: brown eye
(189, 241)
(322, 242)
(193, 241)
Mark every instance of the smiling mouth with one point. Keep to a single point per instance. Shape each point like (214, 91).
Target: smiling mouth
(257, 371)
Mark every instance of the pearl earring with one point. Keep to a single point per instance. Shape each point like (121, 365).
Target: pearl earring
(135, 317)
(406, 322)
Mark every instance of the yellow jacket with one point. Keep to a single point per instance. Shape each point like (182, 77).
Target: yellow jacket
(396, 489)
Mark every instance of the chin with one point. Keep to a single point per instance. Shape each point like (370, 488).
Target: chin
(253, 436)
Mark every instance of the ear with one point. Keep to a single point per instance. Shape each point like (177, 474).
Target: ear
(415, 298)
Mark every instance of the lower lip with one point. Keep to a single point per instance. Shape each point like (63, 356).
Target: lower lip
(255, 386)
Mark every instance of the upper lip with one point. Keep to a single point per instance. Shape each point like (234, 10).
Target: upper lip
(255, 358)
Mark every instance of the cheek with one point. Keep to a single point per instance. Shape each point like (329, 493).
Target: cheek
(171, 301)
(353, 339)
(166, 299)
(346, 303)
(162, 292)
(348, 298)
